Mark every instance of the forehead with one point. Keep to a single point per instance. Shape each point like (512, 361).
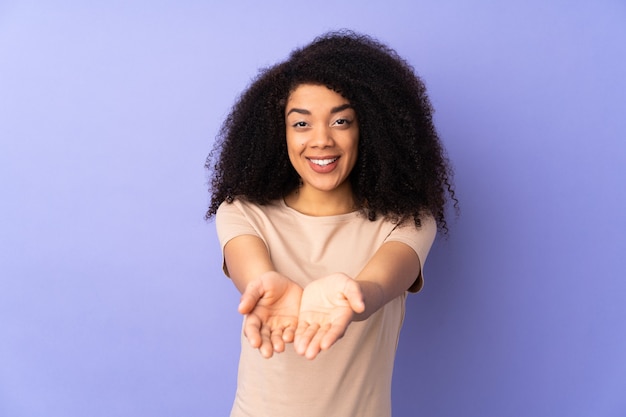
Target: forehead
(315, 94)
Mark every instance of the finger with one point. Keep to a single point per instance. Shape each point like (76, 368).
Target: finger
(314, 348)
(276, 337)
(251, 296)
(304, 334)
(252, 330)
(299, 344)
(289, 334)
(266, 348)
(333, 334)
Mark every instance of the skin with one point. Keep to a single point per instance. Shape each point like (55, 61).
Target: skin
(321, 125)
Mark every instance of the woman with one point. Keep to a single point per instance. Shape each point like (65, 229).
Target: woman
(328, 183)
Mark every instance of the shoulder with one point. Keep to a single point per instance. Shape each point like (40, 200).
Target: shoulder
(242, 206)
(243, 217)
(419, 238)
(245, 213)
(411, 234)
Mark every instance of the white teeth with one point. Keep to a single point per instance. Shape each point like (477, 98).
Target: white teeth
(323, 162)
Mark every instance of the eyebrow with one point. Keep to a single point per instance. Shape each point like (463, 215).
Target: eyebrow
(332, 111)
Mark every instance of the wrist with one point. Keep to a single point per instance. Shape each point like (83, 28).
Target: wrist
(373, 298)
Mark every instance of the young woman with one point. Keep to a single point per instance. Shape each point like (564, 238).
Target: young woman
(328, 183)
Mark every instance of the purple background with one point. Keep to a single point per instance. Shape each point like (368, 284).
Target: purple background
(112, 302)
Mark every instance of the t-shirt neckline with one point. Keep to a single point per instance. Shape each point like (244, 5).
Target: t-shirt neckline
(331, 218)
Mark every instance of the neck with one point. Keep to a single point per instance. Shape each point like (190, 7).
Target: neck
(321, 203)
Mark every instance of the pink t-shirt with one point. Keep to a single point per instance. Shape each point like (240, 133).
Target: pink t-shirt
(352, 378)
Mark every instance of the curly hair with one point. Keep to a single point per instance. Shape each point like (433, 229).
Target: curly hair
(401, 170)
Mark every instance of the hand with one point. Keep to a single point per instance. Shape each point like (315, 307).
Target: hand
(271, 304)
(327, 308)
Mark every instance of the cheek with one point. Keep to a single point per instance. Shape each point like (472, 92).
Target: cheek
(293, 152)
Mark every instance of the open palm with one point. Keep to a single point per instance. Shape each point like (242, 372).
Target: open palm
(271, 304)
(326, 309)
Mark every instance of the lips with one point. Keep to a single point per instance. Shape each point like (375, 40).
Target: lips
(323, 165)
(323, 162)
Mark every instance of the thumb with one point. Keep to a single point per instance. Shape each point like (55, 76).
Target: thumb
(251, 296)
(353, 294)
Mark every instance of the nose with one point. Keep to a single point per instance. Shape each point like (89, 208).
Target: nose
(322, 138)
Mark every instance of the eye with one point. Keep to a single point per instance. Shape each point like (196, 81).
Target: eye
(342, 122)
(299, 124)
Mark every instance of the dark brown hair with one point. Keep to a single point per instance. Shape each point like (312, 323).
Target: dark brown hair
(401, 171)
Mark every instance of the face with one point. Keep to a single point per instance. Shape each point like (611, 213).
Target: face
(322, 138)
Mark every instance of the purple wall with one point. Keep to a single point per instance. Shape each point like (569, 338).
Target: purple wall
(112, 302)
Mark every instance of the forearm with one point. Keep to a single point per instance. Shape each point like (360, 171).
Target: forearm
(373, 298)
(389, 273)
(246, 258)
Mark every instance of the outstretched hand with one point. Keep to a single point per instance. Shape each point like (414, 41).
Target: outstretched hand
(271, 304)
(327, 307)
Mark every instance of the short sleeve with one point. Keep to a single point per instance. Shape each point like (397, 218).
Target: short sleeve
(230, 222)
(419, 239)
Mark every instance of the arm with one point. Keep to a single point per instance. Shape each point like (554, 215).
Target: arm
(331, 303)
(246, 258)
(390, 272)
(269, 300)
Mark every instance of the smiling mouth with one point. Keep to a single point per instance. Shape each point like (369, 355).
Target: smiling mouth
(323, 162)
